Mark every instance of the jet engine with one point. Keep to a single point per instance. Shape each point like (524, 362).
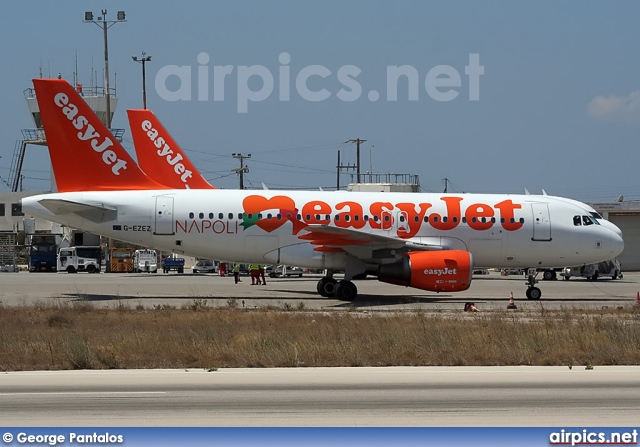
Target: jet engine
(436, 271)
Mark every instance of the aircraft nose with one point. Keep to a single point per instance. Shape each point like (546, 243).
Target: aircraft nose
(617, 243)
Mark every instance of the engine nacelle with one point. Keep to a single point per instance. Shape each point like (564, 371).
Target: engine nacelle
(436, 271)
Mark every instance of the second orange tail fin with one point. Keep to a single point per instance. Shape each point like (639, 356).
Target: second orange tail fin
(84, 154)
(159, 155)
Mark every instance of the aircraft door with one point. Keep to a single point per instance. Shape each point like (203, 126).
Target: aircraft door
(164, 216)
(541, 222)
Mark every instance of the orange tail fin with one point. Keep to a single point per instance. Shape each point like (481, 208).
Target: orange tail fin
(159, 155)
(84, 154)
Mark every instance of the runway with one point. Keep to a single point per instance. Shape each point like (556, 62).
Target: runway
(396, 396)
(489, 292)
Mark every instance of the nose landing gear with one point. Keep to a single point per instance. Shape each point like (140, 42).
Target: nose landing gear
(533, 292)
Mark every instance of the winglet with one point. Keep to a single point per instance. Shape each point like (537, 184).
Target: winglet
(84, 154)
(160, 156)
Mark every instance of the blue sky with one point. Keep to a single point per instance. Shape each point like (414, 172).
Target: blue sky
(558, 108)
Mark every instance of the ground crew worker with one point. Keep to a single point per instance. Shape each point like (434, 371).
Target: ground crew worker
(253, 271)
(261, 274)
(236, 272)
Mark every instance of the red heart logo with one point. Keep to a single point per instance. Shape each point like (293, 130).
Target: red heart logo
(259, 204)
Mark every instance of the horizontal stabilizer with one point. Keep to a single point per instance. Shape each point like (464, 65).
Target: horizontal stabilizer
(94, 213)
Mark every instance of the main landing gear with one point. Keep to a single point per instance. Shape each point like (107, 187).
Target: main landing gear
(533, 293)
(343, 290)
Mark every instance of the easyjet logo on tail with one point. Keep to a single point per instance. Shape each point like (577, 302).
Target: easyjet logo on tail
(87, 132)
(164, 150)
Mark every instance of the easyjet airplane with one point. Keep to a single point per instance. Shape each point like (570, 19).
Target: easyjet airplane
(159, 156)
(427, 241)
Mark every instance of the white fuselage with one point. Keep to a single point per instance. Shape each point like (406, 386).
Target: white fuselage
(256, 226)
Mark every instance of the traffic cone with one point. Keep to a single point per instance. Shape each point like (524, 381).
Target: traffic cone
(470, 307)
(511, 304)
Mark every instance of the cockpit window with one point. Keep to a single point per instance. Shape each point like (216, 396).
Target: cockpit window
(596, 217)
(577, 221)
(586, 220)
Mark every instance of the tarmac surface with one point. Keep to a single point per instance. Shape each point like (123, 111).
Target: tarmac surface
(488, 292)
(396, 396)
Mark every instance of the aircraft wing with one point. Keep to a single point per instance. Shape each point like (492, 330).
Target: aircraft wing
(95, 213)
(362, 245)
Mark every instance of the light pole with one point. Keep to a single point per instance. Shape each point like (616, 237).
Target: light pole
(144, 59)
(105, 25)
(242, 169)
(358, 141)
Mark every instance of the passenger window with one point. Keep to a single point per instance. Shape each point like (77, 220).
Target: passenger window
(387, 218)
(220, 216)
(230, 215)
(444, 218)
(269, 216)
(201, 215)
(210, 215)
(577, 221)
(191, 215)
(401, 218)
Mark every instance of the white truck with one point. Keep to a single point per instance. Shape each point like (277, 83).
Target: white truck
(145, 260)
(79, 259)
(594, 271)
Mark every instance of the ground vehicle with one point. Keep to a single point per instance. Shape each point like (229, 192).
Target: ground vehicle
(121, 260)
(172, 263)
(79, 259)
(205, 266)
(145, 260)
(43, 254)
(594, 271)
(281, 271)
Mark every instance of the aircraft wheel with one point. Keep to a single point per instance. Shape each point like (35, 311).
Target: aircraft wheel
(548, 275)
(533, 293)
(326, 287)
(346, 291)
